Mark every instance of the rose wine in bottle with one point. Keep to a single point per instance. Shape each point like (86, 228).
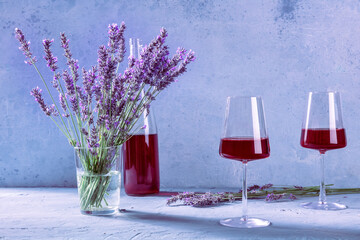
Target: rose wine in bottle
(141, 164)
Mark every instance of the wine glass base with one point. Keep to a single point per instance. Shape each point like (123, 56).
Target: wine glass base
(324, 206)
(239, 222)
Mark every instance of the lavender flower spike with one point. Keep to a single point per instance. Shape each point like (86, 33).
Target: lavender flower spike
(63, 105)
(65, 45)
(49, 57)
(266, 186)
(69, 84)
(72, 63)
(25, 46)
(121, 52)
(55, 81)
(116, 39)
(271, 197)
(36, 92)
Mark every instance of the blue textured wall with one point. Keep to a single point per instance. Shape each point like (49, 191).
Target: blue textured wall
(277, 49)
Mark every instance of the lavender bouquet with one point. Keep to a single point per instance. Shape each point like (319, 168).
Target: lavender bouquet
(101, 111)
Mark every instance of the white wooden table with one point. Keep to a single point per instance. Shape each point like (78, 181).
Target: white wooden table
(53, 213)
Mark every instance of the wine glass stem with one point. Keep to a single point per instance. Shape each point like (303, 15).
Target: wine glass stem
(322, 196)
(244, 194)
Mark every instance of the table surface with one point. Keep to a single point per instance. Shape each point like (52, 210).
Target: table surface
(53, 213)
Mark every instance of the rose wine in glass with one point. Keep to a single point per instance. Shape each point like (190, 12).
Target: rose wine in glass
(323, 130)
(244, 139)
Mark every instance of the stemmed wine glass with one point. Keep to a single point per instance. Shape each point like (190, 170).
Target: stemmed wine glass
(244, 139)
(323, 130)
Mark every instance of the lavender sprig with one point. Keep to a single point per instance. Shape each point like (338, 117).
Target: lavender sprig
(48, 110)
(271, 197)
(269, 192)
(63, 105)
(117, 41)
(25, 46)
(49, 57)
(204, 199)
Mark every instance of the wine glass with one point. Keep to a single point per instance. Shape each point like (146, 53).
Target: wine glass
(244, 139)
(323, 130)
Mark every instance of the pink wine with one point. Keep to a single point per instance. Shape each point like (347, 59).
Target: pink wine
(244, 149)
(141, 165)
(323, 139)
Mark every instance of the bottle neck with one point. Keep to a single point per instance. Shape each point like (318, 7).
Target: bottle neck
(135, 47)
(146, 123)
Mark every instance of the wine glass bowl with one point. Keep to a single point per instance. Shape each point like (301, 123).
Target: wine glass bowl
(244, 148)
(323, 130)
(244, 139)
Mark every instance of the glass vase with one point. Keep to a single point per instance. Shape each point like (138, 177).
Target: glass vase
(98, 179)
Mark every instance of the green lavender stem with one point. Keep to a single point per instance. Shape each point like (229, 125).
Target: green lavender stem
(95, 177)
(92, 190)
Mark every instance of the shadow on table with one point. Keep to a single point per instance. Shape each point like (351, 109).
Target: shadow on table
(210, 227)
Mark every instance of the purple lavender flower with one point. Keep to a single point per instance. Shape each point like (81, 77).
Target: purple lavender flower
(179, 197)
(174, 61)
(204, 199)
(52, 111)
(266, 186)
(65, 45)
(159, 40)
(254, 187)
(107, 67)
(190, 57)
(89, 79)
(102, 58)
(97, 92)
(197, 200)
(85, 111)
(74, 66)
(82, 96)
(63, 105)
(48, 110)
(91, 120)
(158, 70)
(292, 196)
(272, 197)
(116, 40)
(72, 63)
(84, 131)
(74, 104)
(121, 51)
(94, 139)
(49, 57)
(101, 120)
(69, 84)
(25, 46)
(55, 81)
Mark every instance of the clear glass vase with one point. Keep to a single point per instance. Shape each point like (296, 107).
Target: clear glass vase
(98, 179)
